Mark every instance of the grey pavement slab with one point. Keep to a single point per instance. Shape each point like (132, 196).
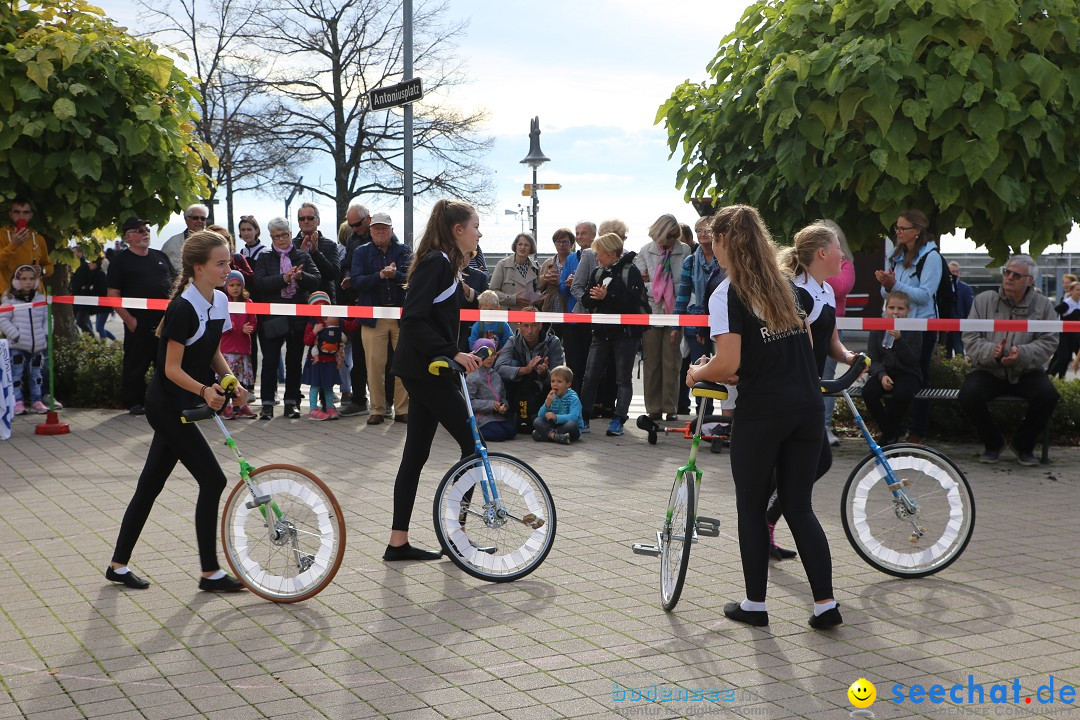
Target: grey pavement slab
(577, 638)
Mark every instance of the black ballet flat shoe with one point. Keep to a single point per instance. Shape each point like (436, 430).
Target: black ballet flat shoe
(128, 579)
(778, 553)
(222, 585)
(828, 619)
(408, 552)
(757, 618)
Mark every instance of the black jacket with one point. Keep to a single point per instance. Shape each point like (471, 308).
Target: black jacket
(325, 257)
(428, 328)
(621, 297)
(268, 282)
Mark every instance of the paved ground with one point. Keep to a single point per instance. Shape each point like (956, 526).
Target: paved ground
(424, 640)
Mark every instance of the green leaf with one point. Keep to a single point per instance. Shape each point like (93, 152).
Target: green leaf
(961, 59)
(987, 120)
(901, 136)
(150, 113)
(848, 103)
(943, 92)
(879, 109)
(978, 157)
(918, 111)
(880, 158)
(973, 92)
(1045, 74)
(63, 109)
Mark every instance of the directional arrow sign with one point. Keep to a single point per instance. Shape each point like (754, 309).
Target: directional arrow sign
(542, 186)
(394, 95)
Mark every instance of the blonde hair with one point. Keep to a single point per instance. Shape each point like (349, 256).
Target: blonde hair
(664, 226)
(561, 371)
(610, 243)
(196, 251)
(488, 297)
(797, 259)
(344, 232)
(753, 269)
(899, 295)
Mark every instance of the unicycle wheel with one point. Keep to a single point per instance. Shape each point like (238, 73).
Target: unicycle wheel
(495, 542)
(299, 555)
(676, 537)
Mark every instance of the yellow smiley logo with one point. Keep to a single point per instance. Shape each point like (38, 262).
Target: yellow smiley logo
(862, 693)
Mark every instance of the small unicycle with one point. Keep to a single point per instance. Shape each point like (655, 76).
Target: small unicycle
(494, 516)
(282, 529)
(907, 509)
(682, 525)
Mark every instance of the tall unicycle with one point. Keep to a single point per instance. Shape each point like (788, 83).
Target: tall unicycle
(494, 515)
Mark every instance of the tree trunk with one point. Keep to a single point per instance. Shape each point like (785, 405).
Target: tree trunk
(59, 283)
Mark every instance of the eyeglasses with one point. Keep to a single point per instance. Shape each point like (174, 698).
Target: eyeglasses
(674, 235)
(902, 228)
(197, 217)
(306, 218)
(354, 226)
(1012, 275)
(279, 236)
(561, 240)
(140, 230)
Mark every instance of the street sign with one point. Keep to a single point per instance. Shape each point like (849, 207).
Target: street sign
(542, 186)
(394, 95)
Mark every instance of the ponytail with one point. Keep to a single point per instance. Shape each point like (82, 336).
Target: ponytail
(797, 259)
(195, 251)
(439, 234)
(179, 285)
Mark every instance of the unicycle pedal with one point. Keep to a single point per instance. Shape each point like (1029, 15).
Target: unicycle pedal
(653, 550)
(258, 500)
(709, 527)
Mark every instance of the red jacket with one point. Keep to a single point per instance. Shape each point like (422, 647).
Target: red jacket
(236, 341)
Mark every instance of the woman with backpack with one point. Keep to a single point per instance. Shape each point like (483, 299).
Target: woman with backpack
(616, 287)
(915, 268)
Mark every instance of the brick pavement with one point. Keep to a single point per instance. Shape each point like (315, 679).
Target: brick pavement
(427, 641)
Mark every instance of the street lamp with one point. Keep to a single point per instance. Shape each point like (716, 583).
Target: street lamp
(534, 159)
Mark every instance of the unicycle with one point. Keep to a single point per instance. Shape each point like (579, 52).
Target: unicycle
(682, 525)
(907, 510)
(494, 516)
(282, 529)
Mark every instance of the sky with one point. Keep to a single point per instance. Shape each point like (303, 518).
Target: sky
(594, 73)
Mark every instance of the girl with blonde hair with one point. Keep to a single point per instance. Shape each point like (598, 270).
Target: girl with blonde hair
(761, 332)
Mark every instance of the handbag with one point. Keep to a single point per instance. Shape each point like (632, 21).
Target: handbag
(275, 327)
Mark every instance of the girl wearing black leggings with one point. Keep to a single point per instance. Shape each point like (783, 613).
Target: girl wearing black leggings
(188, 358)
(429, 329)
(815, 256)
(761, 333)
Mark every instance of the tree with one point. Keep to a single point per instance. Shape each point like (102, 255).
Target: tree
(856, 109)
(237, 117)
(96, 125)
(326, 56)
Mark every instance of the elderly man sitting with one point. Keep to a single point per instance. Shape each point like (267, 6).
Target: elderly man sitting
(1010, 363)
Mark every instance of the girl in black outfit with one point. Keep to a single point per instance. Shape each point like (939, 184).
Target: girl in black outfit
(815, 256)
(761, 333)
(188, 358)
(429, 328)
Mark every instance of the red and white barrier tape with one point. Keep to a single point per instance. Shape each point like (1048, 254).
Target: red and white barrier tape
(515, 316)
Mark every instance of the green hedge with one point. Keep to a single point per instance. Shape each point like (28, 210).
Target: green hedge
(87, 372)
(948, 422)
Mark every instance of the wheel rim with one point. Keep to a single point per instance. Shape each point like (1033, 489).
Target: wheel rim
(519, 548)
(945, 514)
(270, 568)
(674, 542)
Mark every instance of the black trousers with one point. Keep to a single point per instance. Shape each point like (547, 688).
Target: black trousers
(433, 401)
(577, 338)
(889, 416)
(173, 441)
(980, 387)
(1068, 344)
(920, 409)
(294, 358)
(788, 445)
(140, 352)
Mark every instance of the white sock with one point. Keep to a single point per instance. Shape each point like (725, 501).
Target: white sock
(217, 576)
(121, 571)
(751, 606)
(822, 608)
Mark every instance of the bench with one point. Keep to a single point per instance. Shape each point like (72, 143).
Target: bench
(954, 394)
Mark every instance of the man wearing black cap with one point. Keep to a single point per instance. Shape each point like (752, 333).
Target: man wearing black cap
(138, 272)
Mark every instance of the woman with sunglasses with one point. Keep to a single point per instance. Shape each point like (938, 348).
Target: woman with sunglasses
(915, 269)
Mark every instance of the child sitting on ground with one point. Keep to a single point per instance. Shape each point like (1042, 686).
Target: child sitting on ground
(322, 367)
(496, 330)
(894, 371)
(488, 397)
(559, 419)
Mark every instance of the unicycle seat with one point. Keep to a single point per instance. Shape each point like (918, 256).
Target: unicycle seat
(444, 366)
(711, 390)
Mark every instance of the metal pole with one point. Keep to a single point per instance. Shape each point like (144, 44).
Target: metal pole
(406, 76)
(536, 203)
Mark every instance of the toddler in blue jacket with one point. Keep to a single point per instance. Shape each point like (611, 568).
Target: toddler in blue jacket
(559, 419)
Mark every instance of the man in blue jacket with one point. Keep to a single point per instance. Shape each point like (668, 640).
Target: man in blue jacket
(378, 280)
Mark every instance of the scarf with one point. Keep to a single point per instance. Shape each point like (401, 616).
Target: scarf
(284, 266)
(702, 270)
(663, 285)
